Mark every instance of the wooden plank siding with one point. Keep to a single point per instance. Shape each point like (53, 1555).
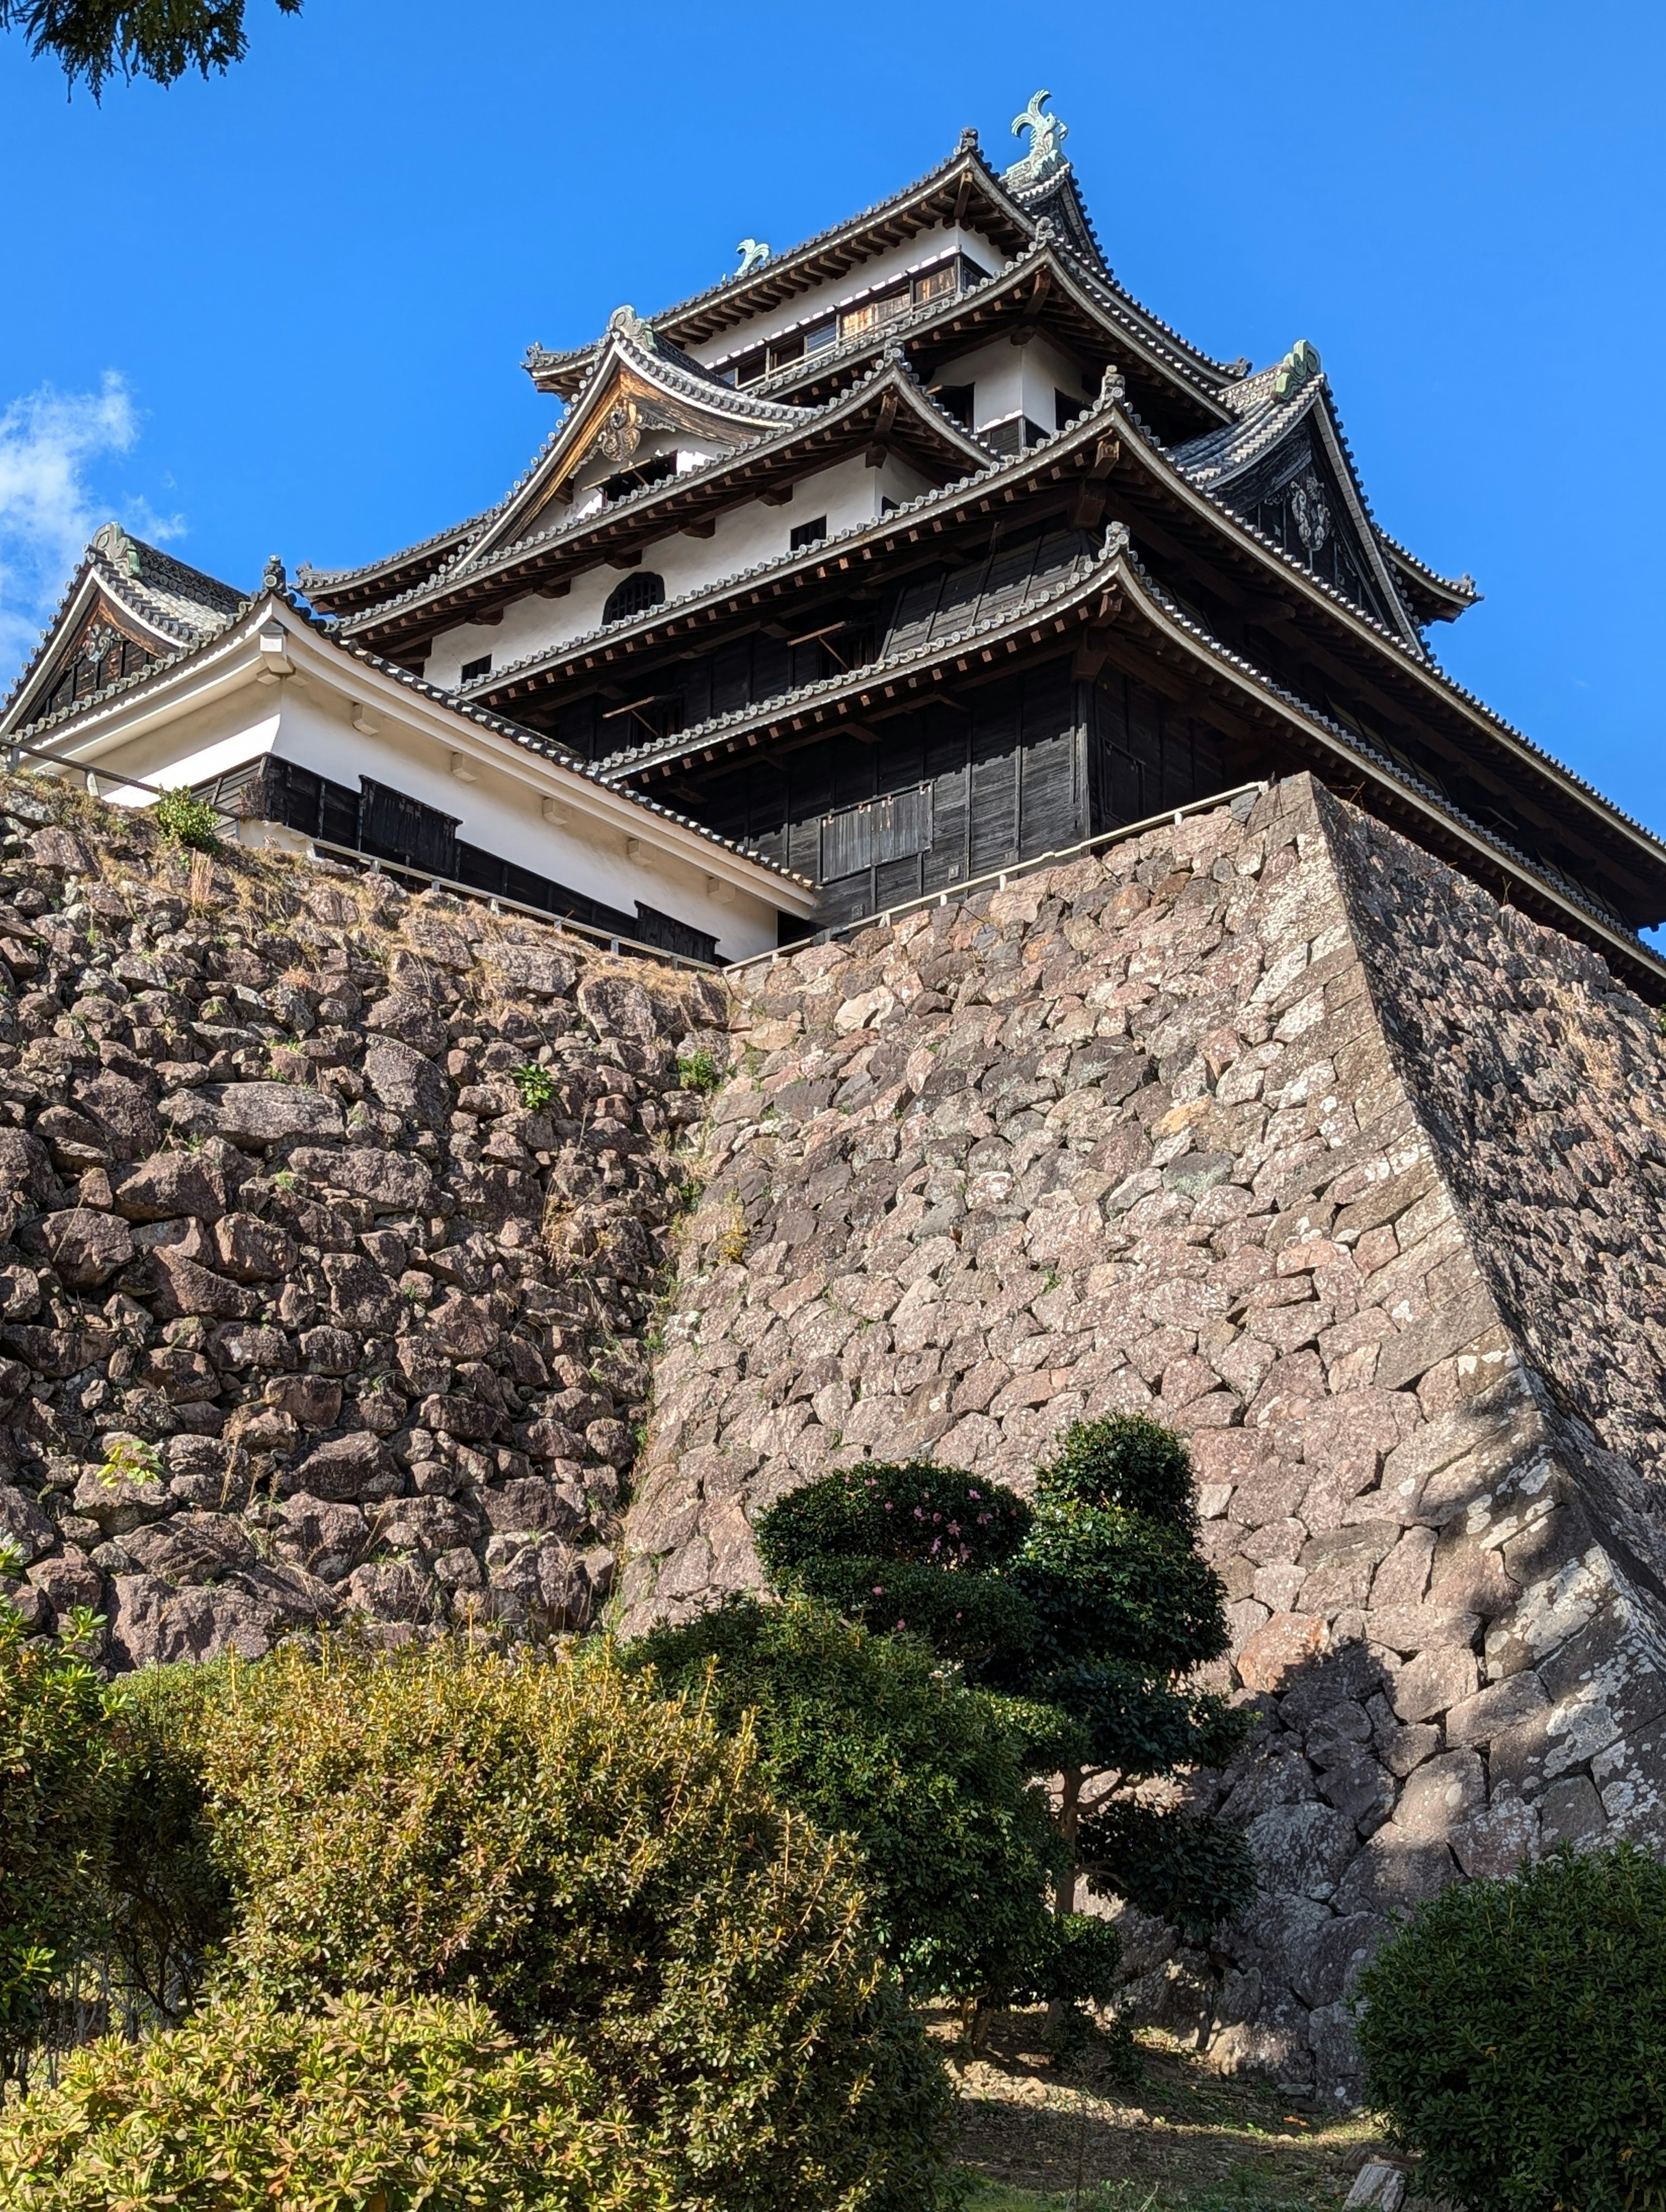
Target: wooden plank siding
(1029, 764)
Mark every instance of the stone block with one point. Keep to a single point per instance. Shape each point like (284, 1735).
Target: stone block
(346, 1468)
(1440, 1796)
(1302, 1847)
(1433, 1682)
(1280, 1647)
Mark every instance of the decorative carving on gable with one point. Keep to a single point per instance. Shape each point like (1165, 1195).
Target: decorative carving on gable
(1310, 511)
(101, 654)
(621, 432)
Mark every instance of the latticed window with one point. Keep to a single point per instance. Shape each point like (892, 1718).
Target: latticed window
(634, 597)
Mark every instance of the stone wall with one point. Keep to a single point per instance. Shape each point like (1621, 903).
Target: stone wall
(305, 1313)
(1270, 1125)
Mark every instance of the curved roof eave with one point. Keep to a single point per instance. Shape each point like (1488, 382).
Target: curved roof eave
(78, 718)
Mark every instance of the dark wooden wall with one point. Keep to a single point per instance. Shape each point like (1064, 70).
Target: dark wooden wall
(1029, 764)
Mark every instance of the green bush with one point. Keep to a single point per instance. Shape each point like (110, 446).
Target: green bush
(372, 2106)
(61, 1777)
(1090, 1608)
(169, 1904)
(1515, 2032)
(591, 1861)
(928, 1779)
(185, 819)
(535, 1083)
(698, 1070)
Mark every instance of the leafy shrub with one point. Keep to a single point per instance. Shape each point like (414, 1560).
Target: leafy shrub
(185, 819)
(535, 1083)
(904, 1547)
(1515, 2032)
(698, 1070)
(927, 1779)
(168, 1902)
(591, 1861)
(60, 1777)
(1090, 1608)
(427, 2103)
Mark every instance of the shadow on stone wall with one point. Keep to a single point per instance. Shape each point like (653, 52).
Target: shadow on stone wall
(1218, 1126)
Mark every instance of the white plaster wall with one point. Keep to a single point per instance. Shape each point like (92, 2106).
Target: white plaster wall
(503, 814)
(221, 736)
(1006, 379)
(871, 275)
(848, 494)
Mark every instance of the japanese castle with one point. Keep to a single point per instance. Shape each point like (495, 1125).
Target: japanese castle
(889, 562)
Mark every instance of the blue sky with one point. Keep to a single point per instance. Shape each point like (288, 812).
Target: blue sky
(284, 311)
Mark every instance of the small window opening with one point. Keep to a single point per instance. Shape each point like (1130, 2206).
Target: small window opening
(955, 399)
(634, 597)
(472, 670)
(639, 478)
(808, 533)
(818, 340)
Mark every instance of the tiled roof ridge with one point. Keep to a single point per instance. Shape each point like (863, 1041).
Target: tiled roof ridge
(872, 672)
(310, 578)
(325, 626)
(221, 599)
(887, 364)
(1102, 280)
(806, 557)
(1462, 587)
(1229, 451)
(1035, 200)
(1396, 770)
(967, 149)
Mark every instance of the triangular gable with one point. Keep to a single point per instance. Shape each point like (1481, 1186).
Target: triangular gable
(637, 385)
(128, 605)
(1284, 468)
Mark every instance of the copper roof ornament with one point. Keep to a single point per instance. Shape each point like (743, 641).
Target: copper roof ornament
(1047, 137)
(626, 323)
(753, 254)
(1300, 367)
(118, 549)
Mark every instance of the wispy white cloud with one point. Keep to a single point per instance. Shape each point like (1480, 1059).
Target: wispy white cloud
(49, 442)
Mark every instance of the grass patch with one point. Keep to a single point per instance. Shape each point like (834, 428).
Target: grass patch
(1043, 2131)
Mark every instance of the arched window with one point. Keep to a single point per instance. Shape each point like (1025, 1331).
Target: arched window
(634, 597)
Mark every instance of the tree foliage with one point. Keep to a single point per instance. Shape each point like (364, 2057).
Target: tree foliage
(928, 1778)
(1515, 2032)
(595, 1864)
(426, 2102)
(161, 39)
(1090, 1608)
(60, 1784)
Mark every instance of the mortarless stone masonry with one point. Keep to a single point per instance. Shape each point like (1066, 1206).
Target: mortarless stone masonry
(1274, 1126)
(304, 1315)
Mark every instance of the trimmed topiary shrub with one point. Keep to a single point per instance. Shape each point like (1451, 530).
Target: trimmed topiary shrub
(1515, 2033)
(372, 2105)
(929, 1780)
(594, 1863)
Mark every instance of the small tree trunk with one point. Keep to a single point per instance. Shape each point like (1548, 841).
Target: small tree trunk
(1070, 1813)
(1064, 1890)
